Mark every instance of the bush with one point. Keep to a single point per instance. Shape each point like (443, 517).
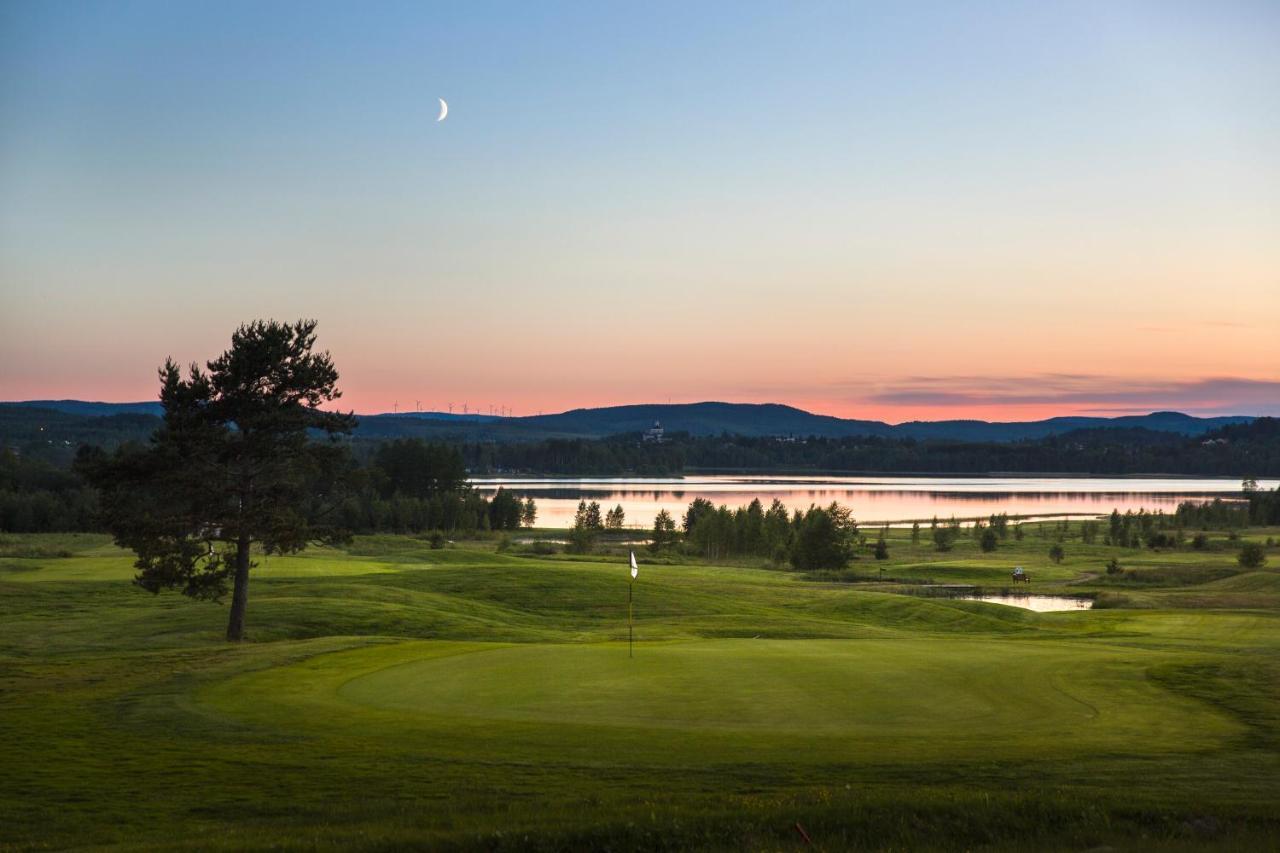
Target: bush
(1252, 556)
(1113, 567)
(1200, 542)
(582, 540)
(990, 541)
(882, 550)
(1056, 553)
(436, 540)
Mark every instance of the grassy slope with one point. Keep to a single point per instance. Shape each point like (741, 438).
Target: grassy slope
(399, 695)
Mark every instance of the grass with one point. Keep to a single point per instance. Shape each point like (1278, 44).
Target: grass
(394, 696)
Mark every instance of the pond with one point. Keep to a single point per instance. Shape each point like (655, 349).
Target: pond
(1038, 603)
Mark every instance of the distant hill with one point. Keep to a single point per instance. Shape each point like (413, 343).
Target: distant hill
(752, 419)
(89, 409)
(1175, 422)
(697, 419)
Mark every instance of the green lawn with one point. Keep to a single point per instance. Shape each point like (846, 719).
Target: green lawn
(393, 695)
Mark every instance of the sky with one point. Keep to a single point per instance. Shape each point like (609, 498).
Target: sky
(878, 210)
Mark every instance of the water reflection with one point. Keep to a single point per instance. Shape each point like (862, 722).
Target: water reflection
(874, 499)
(1038, 603)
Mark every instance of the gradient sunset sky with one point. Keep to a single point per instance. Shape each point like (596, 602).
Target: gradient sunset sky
(877, 210)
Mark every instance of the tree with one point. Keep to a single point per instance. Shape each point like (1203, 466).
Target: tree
(664, 530)
(1089, 532)
(942, 538)
(592, 518)
(615, 518)
(1252, 556)
(528, 513)
(1056, 553)
(413, 468)
(698, 509)
(915, 533)
(232, 465)
(882, 549)
(989, 541)
(505, 511)
(823, 538)
(582, 536)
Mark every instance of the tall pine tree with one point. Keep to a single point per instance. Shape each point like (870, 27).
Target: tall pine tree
(245, 456)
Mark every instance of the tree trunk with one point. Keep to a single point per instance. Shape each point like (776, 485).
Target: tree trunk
(240, 592)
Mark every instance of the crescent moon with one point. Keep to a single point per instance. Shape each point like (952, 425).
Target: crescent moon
(444, 110)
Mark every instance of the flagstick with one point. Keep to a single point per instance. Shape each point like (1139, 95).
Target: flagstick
(631, 631)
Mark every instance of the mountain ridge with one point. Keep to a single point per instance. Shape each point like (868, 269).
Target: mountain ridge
(700, 419)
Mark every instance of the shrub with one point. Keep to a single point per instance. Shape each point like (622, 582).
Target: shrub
(1200, 542)
(989, 541)
(1252, 556)
(882, 550)
(1056, 553)
(436, 540)
(1113, 567)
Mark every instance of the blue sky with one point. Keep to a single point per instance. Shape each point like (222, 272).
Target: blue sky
(810, 203)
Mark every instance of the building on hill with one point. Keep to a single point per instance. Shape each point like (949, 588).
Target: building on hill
(654, 435)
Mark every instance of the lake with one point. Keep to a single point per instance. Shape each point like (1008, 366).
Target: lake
(878, 499)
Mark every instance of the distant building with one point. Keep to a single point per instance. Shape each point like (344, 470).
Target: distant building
(654, 435)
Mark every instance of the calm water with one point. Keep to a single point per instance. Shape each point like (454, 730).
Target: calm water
(1038, 603)
(874, 499)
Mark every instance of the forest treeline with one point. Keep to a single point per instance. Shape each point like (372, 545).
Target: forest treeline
(403, 486)
(408, 485)
(1239, 450)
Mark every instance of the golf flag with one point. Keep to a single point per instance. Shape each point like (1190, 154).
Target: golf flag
(631, 633)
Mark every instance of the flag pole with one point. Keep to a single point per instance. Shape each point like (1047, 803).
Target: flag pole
(631, 632)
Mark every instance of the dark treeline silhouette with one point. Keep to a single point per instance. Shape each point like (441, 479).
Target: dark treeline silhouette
(1238, 450)
(38, 497)
(405, 486)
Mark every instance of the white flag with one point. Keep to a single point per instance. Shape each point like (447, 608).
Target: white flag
(635, 570)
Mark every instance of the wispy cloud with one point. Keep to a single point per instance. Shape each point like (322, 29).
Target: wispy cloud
(1080, 392)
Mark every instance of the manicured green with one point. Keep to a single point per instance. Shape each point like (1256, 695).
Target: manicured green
(392, 695)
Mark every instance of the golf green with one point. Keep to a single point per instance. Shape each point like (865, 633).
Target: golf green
(732, 700)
